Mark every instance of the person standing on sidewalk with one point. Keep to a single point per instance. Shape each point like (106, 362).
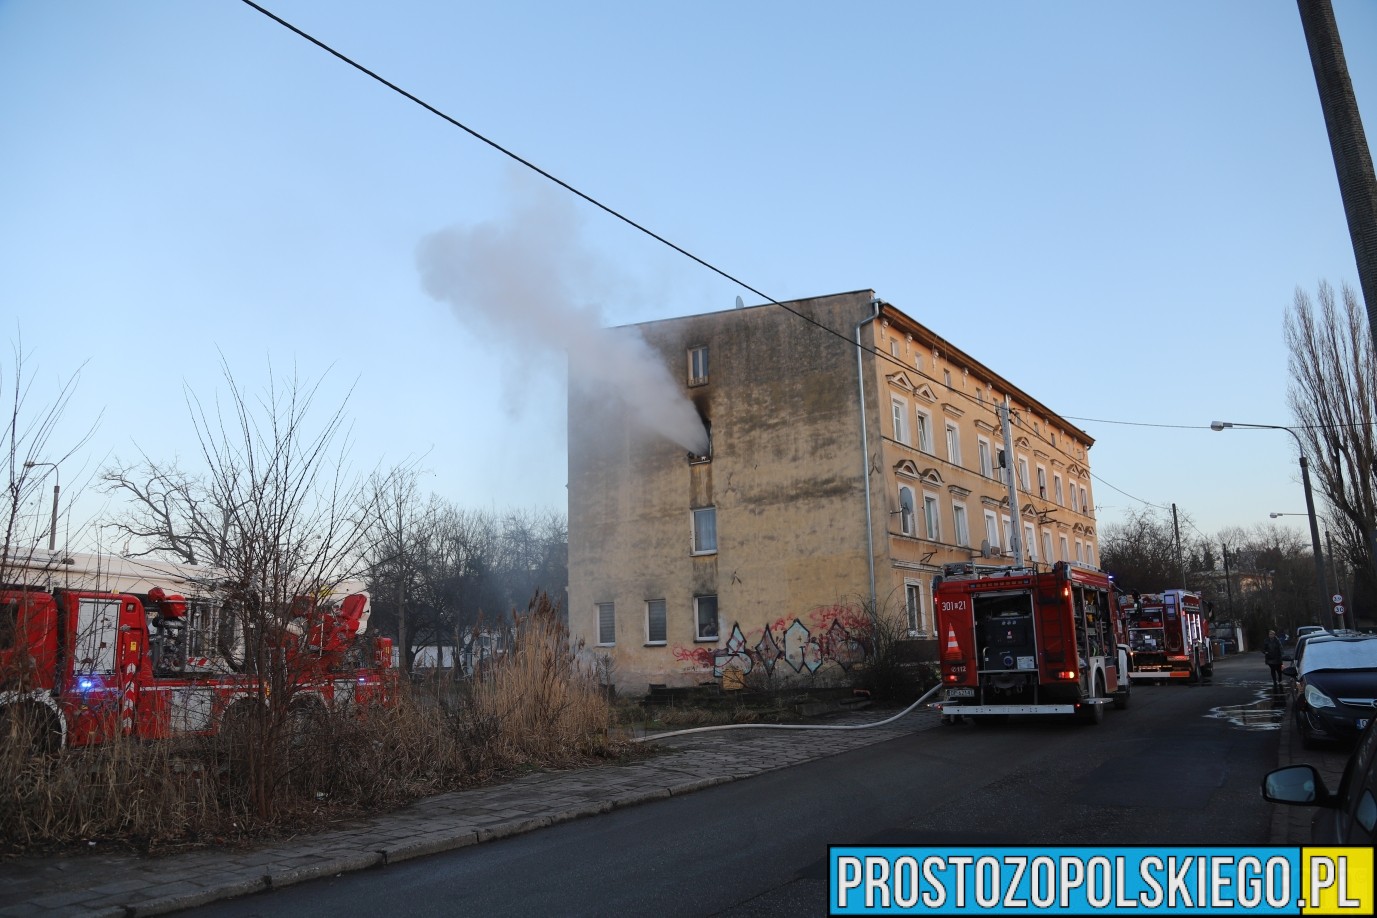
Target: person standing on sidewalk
(1271, 654)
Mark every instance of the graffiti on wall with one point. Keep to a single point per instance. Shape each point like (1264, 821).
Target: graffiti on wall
(837, 634)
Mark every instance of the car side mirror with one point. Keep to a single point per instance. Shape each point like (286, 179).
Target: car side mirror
(1299, 785)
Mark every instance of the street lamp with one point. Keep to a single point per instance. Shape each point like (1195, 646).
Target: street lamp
(1320, 580)
(57, 489)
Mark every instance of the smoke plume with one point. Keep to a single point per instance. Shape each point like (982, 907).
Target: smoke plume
(527, 285)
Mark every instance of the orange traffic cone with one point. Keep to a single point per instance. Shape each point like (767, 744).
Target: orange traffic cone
(953, 649)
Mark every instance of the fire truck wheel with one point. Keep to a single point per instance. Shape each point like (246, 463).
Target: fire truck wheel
(32, 727)
(1094, 713)
(1121, 698)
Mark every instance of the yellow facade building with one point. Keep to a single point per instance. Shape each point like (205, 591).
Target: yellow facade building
(851, 453)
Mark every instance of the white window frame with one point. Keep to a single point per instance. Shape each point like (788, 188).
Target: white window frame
(982, 448)
(1047, 547)
(1085, 501)
(924, 430)
(1030, 541)
(915, 610)
(650, 611)
(698, 365)
(894, 347)
(700, 534)
(698, 619)
(1023, 474)
(1006, 526)
(992, 529)
(953, 444)
(1042, 482)
(1056, 490)
(898, 408)
(932, 516)
(607, 625)
(961, 523)
(1065, 548)
(1090, 554)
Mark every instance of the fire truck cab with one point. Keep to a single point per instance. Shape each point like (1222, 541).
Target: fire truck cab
(1169, 638)
(1015, 641)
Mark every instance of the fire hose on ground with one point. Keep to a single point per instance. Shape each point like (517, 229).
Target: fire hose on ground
(888, 720)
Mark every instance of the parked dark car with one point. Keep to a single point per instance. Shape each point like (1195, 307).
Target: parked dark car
(1336, 686)
(1348, 817)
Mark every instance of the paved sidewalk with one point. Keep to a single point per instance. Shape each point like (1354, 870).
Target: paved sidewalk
(128, 886)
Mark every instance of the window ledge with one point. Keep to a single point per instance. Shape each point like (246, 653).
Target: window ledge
(656, 643)
(699, 554)
(707, 640)
(613, 644)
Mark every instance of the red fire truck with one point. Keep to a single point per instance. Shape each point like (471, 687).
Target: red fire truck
(1014, 641)
(1168, 637)
(80, 666)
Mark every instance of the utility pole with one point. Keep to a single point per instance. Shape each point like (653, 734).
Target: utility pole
(1180, 558)
(1015, 518)
(1347, 142)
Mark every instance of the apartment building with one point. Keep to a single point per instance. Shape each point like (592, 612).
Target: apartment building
(852, 452)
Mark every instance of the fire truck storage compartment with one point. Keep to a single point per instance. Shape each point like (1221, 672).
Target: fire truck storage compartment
(1007, 642)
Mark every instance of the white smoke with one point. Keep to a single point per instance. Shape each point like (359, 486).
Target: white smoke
(527, 286)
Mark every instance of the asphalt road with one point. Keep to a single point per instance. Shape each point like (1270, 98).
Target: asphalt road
(1180, 766)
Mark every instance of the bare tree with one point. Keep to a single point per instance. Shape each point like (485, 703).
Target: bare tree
(1334, 403)
(25, 442)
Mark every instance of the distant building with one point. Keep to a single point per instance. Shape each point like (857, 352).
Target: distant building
(837, 480)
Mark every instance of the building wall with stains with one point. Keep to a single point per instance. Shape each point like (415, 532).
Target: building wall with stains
(786, 486)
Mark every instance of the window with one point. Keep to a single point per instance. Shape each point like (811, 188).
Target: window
(655, 621)
(980, 396)
(1085, 501)
(1047, 547)
(698, 365)
(1008, 529)
(1023, 473)
(924, 431)
(1056, 490)
(983, 448)
(705, 531)
(1064, 549)
(958, 516)
(1089, 554)
(1042, 482)
(899, 409)
(953, 445)
(946, 378)
(705, 617)
(894, 347)
(992, 529)
(913, 606)
(930, 516)
(1030, 542)
(906, 510)
(607, 624)
(1079, 559)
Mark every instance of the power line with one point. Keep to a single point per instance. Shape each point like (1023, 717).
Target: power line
(627, 220)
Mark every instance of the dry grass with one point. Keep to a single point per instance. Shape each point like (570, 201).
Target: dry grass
(533, 708)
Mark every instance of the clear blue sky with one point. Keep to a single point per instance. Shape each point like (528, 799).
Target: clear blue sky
(1111, 204)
